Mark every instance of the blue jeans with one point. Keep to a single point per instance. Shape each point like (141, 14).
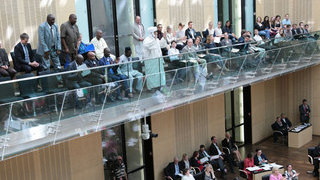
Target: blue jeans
(265, 33)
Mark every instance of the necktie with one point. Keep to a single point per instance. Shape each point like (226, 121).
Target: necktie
(26, 53)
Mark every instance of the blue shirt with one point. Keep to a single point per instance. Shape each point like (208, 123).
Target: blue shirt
(106, 61)
(26, 52)
(286, 22)
(177, 172)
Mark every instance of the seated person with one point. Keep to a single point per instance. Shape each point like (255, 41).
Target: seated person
(230, 144)
(228, 29)
(248, 162)
(112, 74)
(187, 175)
(215, 150)
(190, 33)
(290, 173)
(316, 162)
(209, 173)
(184, 163)
(95, 77)
(288, 32)
(195, 160)
(285, 120)
(260, 158)
(279, 125)
(5, 69)
(24, 57)
(226, 51)
(280, 37)
(257, 37)
(276, 175)
(213, 55)
(125, 68)
(172, 171)
(197, 46)
(76, 80)
(192, 58)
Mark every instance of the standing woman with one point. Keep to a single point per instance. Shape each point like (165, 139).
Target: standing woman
(153, 67)
(263, 31)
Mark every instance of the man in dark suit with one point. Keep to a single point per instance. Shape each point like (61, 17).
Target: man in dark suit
(285, 120)
(280, 126)
(76, 80)
(316, 156)
(305, 110)
(172, 171)
(215, 150)
(300, 30)
(229, 143)
(96, 76)
(260, 159)
(5, 69)
(190, 32)
(24, 58)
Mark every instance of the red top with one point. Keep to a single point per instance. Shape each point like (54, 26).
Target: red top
(248, 162)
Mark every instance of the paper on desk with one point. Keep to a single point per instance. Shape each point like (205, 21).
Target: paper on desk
(255, 168)
(217, 40)
(214, 157)
(275, 165)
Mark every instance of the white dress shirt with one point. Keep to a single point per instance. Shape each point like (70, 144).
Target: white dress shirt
(99, 46)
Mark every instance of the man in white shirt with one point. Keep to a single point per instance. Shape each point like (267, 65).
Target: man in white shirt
(138, 34)
(99, 44)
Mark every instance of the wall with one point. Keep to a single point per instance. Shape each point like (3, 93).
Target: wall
(315, 97)
(306, 11)
(283, 94)
(170, 12)
(185, 128)
(76, 159)
(19, 16)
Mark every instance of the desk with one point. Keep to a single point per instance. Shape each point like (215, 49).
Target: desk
(298, 139)
(258, 176)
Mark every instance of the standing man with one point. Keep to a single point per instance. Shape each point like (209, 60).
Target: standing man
(305, 110)
(99, 44)
(69, 38)
(190, 32)
(138, 34)
(49, 45)
(286, 21)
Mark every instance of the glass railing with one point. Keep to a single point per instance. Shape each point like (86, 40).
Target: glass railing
(53, 111)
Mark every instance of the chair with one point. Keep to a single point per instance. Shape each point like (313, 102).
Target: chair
(199, 176)
(266, 177)
(310, 158)
(28, 89)
(242, 172)
(7, 92)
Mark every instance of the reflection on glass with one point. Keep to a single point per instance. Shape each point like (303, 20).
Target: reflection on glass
(239, 135)
(134, 149)
(139, 175)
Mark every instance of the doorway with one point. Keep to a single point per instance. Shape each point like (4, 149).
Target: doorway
(237, 109)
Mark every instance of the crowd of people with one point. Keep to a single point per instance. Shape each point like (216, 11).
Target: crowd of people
(205, 163)
(63, 50)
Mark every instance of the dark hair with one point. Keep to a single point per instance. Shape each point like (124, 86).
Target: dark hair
(159, 25)
(195, 154)
(249, 155)
(278, 16)
(264, 19)
(227, 22)
(212, 137)
(300, 23)
(304, 100)
(258, 149)
(306, 25)
(173, 42)
(185, 171)
(189, 22)
(243, 31)
(127, 49)
(24, 36)
(289, 165)
(202, 146)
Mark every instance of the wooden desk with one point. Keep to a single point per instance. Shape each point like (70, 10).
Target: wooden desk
(301, 138)
(258, 176)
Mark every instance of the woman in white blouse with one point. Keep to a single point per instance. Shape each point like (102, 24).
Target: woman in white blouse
(218, 30)
(187, 175)
(171, 36)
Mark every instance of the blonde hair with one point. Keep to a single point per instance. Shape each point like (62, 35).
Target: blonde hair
(274, 169)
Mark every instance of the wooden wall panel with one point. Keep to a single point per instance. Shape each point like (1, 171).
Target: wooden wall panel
(315, 94)
(76, 159)
(19, 16)
(282, 94)
(184, 128)
(306, 11)
(171, 12)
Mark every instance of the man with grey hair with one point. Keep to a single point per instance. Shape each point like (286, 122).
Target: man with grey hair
(99, 44)
(49, 45)
(138, 34)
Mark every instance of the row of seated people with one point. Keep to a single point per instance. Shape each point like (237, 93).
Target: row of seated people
(260, 159)
(281, 127)
(203, 162)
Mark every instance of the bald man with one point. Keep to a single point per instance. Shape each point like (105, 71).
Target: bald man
(138, 34)
(69, 32)
(49, 45)
(99, 44)
(75, 80)
(96, 76)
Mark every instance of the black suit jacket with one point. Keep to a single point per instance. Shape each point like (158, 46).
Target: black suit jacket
(288, 122)
(202, 155)
(189, 32)
(276, 127)
(227, 144)
(96, 72)
(170, 170)
(213, 151)
(304, 114)
(19, 56)
(182, 165)
(73, 76)
(256, 161)
(4, 60)
(194, 162)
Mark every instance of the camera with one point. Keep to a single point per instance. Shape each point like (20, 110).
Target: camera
(146, 133)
